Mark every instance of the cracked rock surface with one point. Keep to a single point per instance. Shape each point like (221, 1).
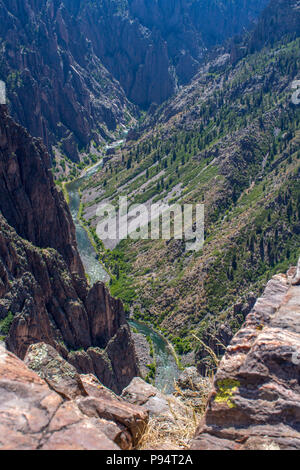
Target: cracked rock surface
(35, 416)
(255, 404)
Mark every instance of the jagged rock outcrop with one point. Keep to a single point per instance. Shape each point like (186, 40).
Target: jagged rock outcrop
(44, 295)
(255, 402)
(142, 348)
(57, 86)
(29, 200)
(34, 416)
(47, 304)
(71, 65)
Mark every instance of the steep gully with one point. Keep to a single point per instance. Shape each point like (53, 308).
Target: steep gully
(167, 369)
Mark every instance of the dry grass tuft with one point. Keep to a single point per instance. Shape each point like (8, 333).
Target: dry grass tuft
(162, 434)
(174, 430)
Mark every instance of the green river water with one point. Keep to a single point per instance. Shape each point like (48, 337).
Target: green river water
(167, 369)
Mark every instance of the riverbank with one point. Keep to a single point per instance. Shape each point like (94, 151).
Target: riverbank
(167, 364)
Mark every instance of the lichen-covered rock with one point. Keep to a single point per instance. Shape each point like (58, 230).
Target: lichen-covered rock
(58, 373)
(256, 399)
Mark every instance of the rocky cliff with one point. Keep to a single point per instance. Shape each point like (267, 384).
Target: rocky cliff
(43, 289)
(29, 200)
(71, 66)
(279, 21)
(57, 86)
(280, 18)
(255, 402)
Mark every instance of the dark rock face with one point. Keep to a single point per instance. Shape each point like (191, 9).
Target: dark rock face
(37, 414)
(255, 402)
(112, 365)
(42, 282)
(28, 198)
(281, 18)
(136, 57)
(57, 87)
(150, 45)
(190, 27)
(71, 65)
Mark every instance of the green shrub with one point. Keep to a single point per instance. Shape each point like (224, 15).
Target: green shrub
(6, 323)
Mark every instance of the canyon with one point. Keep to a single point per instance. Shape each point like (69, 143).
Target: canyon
(254, 404)
(75, 70)
(44, 292)
(142, 344)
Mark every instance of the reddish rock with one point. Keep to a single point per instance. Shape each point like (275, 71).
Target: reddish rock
(32, 416)
(134, 418)
(256, 397)
(94, 388)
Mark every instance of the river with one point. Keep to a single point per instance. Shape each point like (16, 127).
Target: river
(167, 369)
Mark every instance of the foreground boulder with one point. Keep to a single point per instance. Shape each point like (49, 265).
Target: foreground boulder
(256, 399)
(35, 416)
(162, 407)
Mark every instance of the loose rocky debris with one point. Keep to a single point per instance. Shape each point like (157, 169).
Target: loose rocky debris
(172, 423)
